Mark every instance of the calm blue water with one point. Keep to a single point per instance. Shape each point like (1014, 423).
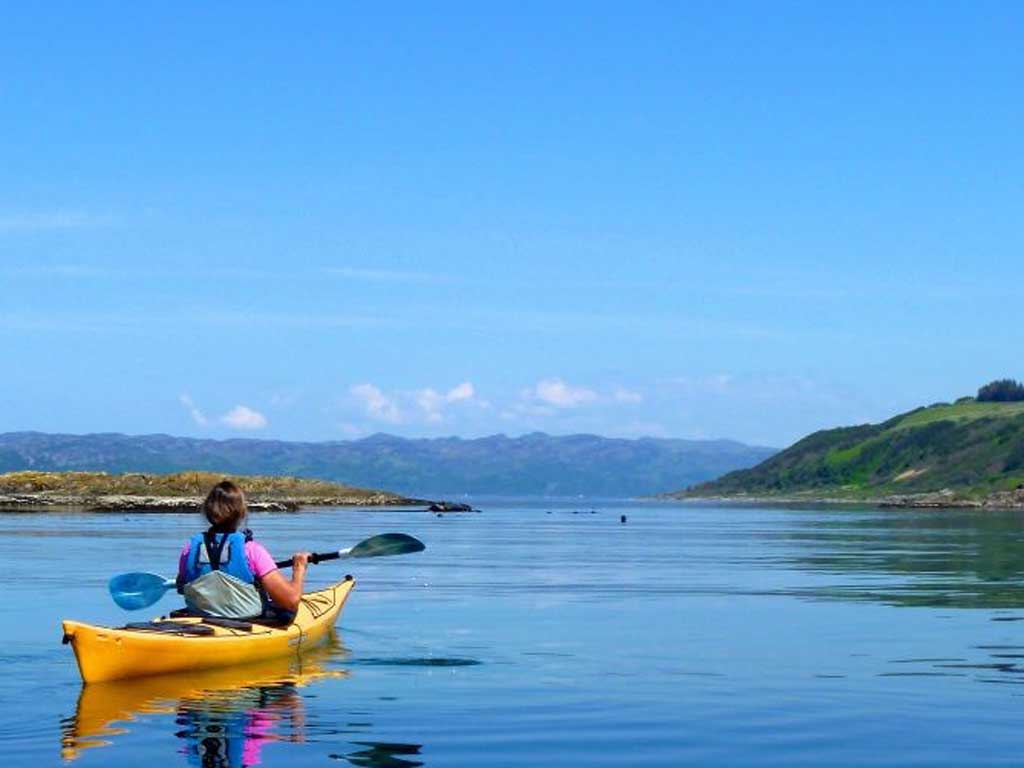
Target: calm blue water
(532, 635)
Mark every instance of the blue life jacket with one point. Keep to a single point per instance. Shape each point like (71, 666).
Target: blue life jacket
(224, 552)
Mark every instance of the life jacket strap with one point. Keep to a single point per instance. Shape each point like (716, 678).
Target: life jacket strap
(214, 547)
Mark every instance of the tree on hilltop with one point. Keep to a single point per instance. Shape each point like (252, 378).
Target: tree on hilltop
(1001, 391)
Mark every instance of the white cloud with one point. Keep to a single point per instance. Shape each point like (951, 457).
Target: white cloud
(463, 391)
(431, 403)
(244, 417)
(197, 415)
(557, 393)
(239, 417)
(378, 405)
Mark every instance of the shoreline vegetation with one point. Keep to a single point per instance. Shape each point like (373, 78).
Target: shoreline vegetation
(967, 454)
(177, 492)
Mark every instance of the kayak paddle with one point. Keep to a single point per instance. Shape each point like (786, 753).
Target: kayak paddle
(133, 591)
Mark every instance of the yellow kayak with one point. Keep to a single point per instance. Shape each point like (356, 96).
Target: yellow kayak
(172, 644)
(106, 710)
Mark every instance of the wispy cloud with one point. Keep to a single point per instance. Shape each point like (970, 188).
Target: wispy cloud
(70, 271)
(623, 395)
(47, 221)
(193, 411)
(431, 403)
(249, 319)
(389, 275)
(42, 323)
(186, 317)
(377, 405)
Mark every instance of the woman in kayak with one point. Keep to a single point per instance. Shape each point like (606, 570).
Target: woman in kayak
(223, 572)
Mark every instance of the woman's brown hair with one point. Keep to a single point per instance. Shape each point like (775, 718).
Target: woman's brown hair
(225, 507)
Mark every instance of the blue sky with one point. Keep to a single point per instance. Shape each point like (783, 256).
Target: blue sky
(746, 220)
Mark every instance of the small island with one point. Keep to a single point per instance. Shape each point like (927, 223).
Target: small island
(181, 491)
(969, 453)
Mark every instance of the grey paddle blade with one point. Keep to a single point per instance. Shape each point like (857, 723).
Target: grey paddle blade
(133, 591)
(387, 544)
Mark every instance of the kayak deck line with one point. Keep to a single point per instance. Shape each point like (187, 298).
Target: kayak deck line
(179, 643)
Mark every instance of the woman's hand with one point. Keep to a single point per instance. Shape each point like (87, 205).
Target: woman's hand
(300, 560)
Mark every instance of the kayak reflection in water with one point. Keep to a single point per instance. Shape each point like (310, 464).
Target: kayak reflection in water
(227, 734)
(225, 716)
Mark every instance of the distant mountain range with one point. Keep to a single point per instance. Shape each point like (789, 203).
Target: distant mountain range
(964, 450)
(427, 468)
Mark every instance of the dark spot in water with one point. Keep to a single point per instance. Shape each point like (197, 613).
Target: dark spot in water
(830, 677)
(919, 674)
(415, 662)
(381, 754)
(1001, 667)
(921, 661)
(1008, 618)
(397, 748)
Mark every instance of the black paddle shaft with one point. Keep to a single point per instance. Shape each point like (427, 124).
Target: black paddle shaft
(375, 546)
(314, 558)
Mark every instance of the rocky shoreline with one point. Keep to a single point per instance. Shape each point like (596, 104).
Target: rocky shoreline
(132, 503)
(948, 499)
(944, 499)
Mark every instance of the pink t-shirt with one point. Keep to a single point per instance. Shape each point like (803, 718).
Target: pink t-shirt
(260, 561)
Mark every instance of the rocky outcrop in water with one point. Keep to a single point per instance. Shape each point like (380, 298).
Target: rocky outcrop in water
(449, 506)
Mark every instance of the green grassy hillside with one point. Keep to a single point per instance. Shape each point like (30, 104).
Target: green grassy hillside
(972, 448)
